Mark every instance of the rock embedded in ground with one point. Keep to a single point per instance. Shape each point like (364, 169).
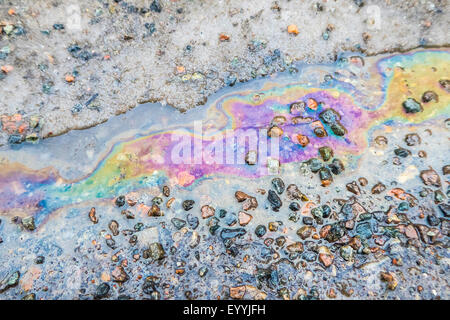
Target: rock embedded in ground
(188, 204)
(274, 200)
(410, 105)
(430, 178)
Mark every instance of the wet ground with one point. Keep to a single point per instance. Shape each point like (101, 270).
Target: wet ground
(347, 197)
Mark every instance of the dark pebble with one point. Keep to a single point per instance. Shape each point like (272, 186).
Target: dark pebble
(314, 165)
(403, 206)
(178, 223)
(326, 211)
(278, 185)
(192, 221)
(260, 231)
(445, 209)
(58, 26)
(446, 169)
(114, 227)
(274, 200)
(157, 200)
(335, 233)
(222, 213)
(433, 220)
(336, 166)
(232, 233)
(155, 251)
(430, 96)
(111, 243)
(378, 188)
(317, 214)
(294, 206)
(188, 204)
(102, 291)
(430, 178)
(364, 230)
(445, 84)
(166, 191)
(15, 139)
(326, 153)
(353, 188)
(231, 219)
(120, 201)
(156, 6)
(401, 152)
(39, 260)
(329, 116)
(338, 129)
(410, 105)
(308, 221)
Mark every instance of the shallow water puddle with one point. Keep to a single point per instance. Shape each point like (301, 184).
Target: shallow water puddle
(332, 133)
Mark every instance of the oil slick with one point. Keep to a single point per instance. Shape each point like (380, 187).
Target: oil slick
(365, 96)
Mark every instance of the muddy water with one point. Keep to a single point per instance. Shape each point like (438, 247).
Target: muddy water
(200, 155)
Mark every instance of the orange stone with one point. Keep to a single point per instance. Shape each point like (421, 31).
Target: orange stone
(237, 292)
(312, 104)
(70, 78)
(303, 140)
(224, 37)
(292, 28)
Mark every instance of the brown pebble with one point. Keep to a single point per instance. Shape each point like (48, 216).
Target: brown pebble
(237, 292)
(446, 169)
(297, 107)
(131, 202)
(92, 215)
(303, 140)
(169, 203)
(412, 139)
(305, 232)
(250, 204)
(363, 181)
(155, 211)
(114, 227)
(244, 218)
(422, 154)
(326, 259)
(295, 247)
(430, 96)
(390, 279)
(119, 274)
(278, 121)
(241, 196)
(381, 141)
(430, 177)
(331, 293)
(445, 84)
(353, 188)
(207, 211)
(378, 188)
(128, 214)
(166, 191)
